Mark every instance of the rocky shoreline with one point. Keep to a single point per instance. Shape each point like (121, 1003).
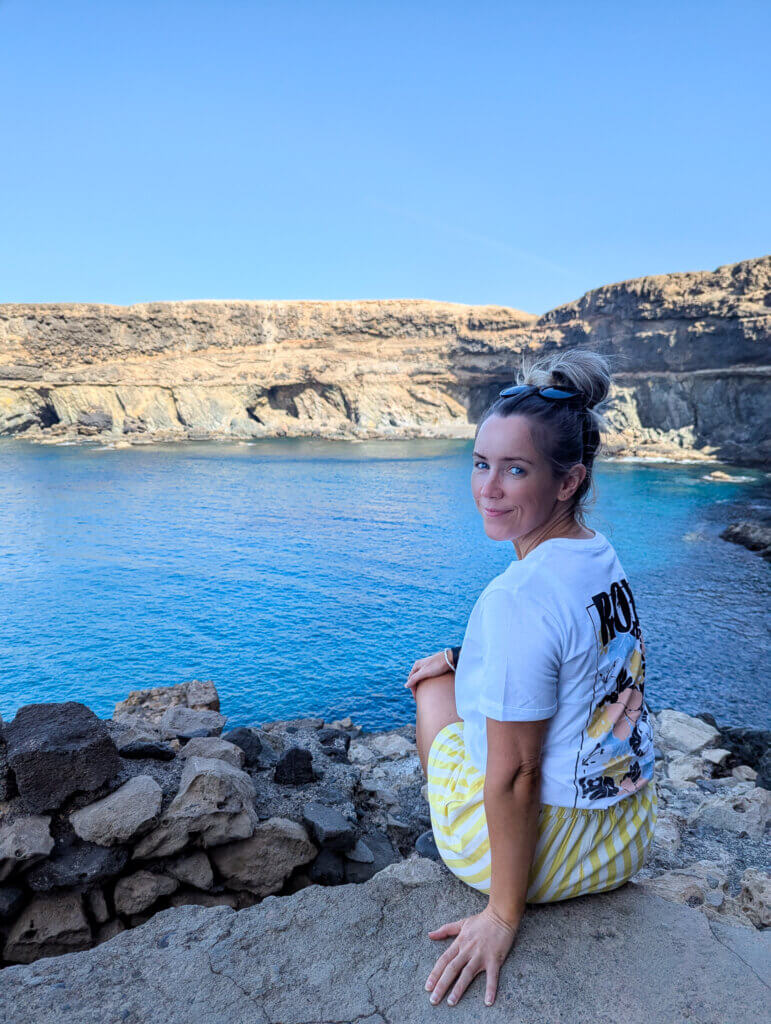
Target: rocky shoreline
(106, 823)
(688, 353)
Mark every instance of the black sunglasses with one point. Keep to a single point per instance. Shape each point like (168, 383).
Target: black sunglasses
(551, 393)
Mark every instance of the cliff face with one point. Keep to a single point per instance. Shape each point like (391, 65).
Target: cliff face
(690, 354)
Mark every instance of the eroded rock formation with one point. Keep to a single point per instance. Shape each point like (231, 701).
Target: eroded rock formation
(690, 353)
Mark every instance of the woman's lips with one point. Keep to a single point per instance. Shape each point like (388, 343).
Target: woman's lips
(495, 512)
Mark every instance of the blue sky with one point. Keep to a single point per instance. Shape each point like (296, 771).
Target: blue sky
(509, 153)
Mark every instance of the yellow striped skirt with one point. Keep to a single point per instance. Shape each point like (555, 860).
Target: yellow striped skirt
(578, 851)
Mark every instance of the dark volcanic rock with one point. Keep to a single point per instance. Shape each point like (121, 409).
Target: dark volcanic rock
(328, 826)
(426, 846)
(147, 748)
(327, 869)
(56, 750)
(753, 535)
(248, 741)
(81, 864)
(384, 853)
(295, 767)
(331, 736)
(752, 747)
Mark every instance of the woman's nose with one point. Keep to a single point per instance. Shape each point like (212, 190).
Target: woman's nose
(491, 486)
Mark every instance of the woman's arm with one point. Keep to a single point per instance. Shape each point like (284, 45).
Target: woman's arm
(512, 798)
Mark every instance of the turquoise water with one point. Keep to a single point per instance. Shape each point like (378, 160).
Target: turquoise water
(304, 577)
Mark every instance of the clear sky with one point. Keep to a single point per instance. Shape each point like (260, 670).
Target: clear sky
(512, 153)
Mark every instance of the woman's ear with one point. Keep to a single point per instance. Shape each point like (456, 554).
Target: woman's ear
(572, 481)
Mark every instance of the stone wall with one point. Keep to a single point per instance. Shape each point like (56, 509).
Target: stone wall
(104, 823)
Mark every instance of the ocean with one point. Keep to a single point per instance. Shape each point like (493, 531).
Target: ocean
(305, 576)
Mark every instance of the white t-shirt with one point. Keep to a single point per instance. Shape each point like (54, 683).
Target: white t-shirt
(557, 636)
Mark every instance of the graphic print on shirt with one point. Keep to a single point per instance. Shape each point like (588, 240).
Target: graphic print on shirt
(616, 753)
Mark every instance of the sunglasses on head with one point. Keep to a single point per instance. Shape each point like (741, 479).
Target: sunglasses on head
(552, 394)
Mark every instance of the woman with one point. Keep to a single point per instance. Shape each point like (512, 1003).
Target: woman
(536, 742)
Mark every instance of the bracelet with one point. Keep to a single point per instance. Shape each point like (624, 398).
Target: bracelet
(448, 660)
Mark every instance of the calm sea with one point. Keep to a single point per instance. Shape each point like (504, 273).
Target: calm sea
(304, 577)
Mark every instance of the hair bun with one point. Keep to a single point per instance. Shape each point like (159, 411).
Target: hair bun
(561, 380)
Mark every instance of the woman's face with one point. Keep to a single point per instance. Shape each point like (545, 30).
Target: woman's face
(510, 477)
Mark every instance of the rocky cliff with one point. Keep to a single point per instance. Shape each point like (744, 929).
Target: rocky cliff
(690, 354)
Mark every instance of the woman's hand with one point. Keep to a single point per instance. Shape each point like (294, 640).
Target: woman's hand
(433, 665)
(482, 944)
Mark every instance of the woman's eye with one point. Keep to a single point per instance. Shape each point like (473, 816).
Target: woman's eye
(519, 468)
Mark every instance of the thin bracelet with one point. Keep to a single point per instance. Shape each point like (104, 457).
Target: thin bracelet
(447, 659)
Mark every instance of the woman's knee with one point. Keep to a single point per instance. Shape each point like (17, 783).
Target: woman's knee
(436, 691)
(436, 709)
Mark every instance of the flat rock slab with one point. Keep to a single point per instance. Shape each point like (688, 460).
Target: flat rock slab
(360, 954)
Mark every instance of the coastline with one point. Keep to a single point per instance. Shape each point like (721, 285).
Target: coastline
(103, 443)
(690, 376)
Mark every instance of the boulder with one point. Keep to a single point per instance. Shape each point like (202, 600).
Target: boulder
(333, 737)
(744, 773)
(261, 863)
(295, 767)
(56, 750)
(194, 869)
(23, 842)
(97, 905)
(327, 869)
(715, 755)
(122, 816)
(328, 827)
(361, 853)
(751, 747)
(141, 740)
(678, 731)
(360, 753)
(49, 926)
(139, 891)
(426, 846)
(748, 812)
(148, 706)
(248, 741)
(187, 723)
(383, 854)
(751, 534)
(77, 864)
(215, 801)
(685, 767)
(214, 746)
(153, 749)
(392, 745)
